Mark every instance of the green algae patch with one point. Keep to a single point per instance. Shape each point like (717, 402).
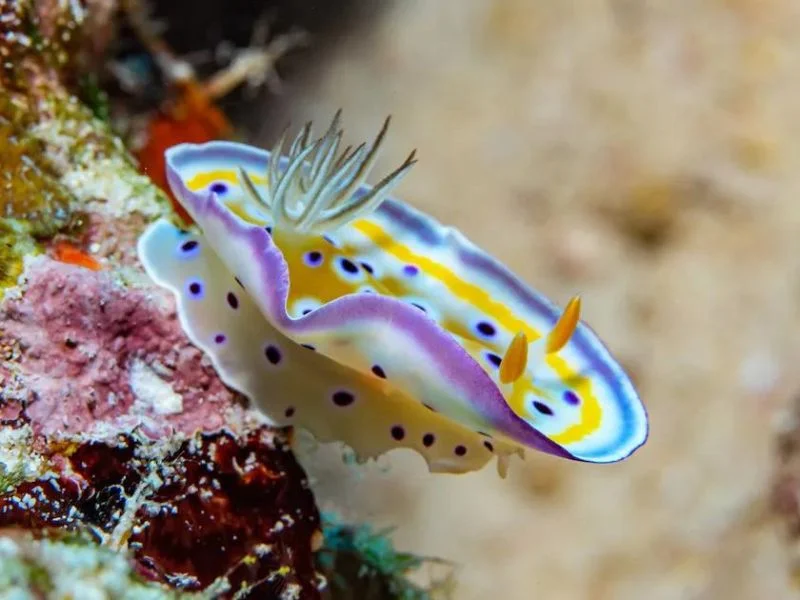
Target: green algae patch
(361, 562)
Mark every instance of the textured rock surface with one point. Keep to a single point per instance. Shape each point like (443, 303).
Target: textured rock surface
(111, 424)
(646, 155)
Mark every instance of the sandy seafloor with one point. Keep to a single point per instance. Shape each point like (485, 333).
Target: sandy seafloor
(646, 155)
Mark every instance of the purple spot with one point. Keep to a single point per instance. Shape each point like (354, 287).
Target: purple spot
(571, 398)
(195, 289)
(410, 270)
(398, 432)
(461, 450)
(367, 267)
(378, 371)
(493, 358)
(486, 329)
(273, 354)
(190, 247)
(219, 188)
(542, 408)
(313, 258)
(348, 266)
(342, 398)
(309, 346)
(233, 301)
(428, 439)
(219, 338)
(289, 412)
(489, 446)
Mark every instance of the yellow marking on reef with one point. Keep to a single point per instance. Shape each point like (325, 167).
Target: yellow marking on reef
(591, 412)
(515, 360)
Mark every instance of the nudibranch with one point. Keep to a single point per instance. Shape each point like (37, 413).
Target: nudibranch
(343, 311)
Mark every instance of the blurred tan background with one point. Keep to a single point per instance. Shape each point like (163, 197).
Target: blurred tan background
(646, 155)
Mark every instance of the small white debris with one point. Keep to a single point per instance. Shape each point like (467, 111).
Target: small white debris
(153, 394)
(16, 455)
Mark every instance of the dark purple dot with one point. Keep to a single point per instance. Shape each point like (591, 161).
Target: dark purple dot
(289, 412)
(233, 301)
(494, 359)
(378, 371)
(398, 432)
(410, 270)
(486, 328)
(428, 439)
(196, 288)
(273, 354)
(367, 267)
(219, 338)
(189, 246)
(542, 408)
(343, 398)
(489, 446)
(571, 398)
(419, 306)
(461, 450)
(306, 311)
(313, 258)
(348, 266)
(219, 188)
(309, 346)
(268, 229)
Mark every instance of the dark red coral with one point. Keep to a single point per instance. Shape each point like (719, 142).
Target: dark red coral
(209, 517)
(215, 506)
